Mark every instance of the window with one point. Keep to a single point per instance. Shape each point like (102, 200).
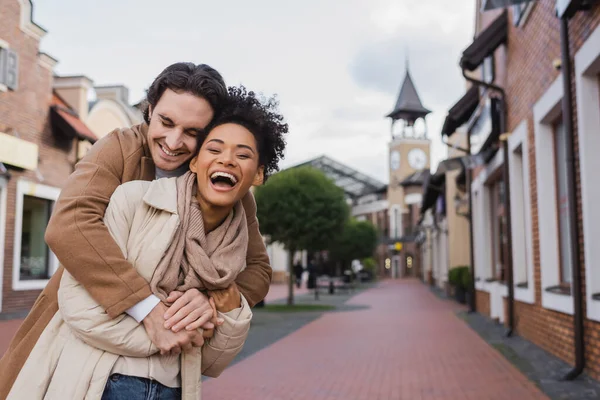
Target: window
(33, 262)
(521, 12)
(35, 254)
(498, 228)
(587, 81)
(395, 222)
(551, 187)
(3, 185)
(520, 197)
(562, 201)
(9, 68)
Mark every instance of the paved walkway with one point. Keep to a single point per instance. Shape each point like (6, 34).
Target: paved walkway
(407, 345)
(280, 291)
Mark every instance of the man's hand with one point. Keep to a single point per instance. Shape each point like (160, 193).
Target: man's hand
(166, 340)
(190, 310)
(226, 299)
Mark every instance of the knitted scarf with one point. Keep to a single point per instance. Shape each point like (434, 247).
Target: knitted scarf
(196, 259)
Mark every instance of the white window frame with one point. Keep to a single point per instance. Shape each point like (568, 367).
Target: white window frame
(482, 235)
(587, 68)
(395, 233)
(545, 112)
(3, 215)
(524, 12)
(27, 188)
(3, 45)
(522, 243)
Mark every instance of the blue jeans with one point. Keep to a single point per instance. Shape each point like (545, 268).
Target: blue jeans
(123, 387)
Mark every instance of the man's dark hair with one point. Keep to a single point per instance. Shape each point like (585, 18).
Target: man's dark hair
(200, 80)
(259, 116)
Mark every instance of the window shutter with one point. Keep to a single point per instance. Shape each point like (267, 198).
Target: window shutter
(12, 70)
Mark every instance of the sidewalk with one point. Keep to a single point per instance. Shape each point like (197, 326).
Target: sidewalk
(280, 291)
(407, 345)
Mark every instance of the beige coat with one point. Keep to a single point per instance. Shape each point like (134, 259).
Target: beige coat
(83, 341)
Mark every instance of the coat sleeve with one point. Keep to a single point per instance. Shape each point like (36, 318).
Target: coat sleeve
(255, 279)
(229, 338)
(87, 319)
(77, 235)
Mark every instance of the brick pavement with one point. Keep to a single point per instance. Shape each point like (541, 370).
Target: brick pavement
(407, 345)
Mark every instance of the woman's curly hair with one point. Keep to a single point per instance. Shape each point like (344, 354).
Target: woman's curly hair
(261, 117)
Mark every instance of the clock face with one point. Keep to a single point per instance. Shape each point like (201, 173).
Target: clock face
(394, 160)
(417, 158)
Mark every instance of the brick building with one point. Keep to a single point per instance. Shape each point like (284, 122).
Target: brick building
(533, 278)
(40, 142)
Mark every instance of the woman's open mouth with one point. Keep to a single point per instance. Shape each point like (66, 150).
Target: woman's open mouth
(223, 181)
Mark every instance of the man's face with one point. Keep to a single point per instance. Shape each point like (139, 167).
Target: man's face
(175, 122)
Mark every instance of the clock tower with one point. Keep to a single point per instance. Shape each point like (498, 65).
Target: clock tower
(409, 152)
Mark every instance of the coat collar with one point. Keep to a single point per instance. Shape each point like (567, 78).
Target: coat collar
(162, 195)
(148, 172)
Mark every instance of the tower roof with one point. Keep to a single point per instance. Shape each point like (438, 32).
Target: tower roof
(408, 106)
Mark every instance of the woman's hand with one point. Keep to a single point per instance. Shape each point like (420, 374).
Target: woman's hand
(226, 299)
(190, 310)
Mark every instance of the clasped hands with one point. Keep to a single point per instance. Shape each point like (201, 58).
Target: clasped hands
(190, 318)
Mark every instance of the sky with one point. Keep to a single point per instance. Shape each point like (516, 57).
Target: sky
(336, 66)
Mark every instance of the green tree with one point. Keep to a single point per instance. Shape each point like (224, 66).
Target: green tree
(358, 240)
(302, 209)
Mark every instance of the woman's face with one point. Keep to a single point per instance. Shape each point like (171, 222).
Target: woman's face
(227, 165)
(175, 122)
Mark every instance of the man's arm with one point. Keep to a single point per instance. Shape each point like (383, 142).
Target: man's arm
(77, 235)
(255, 279)
(228, 340)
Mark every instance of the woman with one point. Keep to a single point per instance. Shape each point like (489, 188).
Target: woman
(179, 233)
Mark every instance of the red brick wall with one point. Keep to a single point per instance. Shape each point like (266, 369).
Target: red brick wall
(26, 112)
(531, 50)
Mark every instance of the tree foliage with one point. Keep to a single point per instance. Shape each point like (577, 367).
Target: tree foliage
(358, 240)
(301, 208)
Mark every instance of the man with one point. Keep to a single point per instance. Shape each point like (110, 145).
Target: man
(182, 101)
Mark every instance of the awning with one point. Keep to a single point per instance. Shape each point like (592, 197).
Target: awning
(451, 164)
(486, 43)
(70, 125)
(416, 179)
(65, 121)
(493, 4)
(354, 183)
(461, 111)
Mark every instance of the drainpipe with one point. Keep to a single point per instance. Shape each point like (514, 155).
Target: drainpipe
(567, 110)
(507, 209)
(469, 179)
